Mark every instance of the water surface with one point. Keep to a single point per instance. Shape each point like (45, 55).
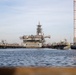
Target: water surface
(37, 57)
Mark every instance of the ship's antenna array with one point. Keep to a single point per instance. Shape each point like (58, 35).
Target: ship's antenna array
(39, 29)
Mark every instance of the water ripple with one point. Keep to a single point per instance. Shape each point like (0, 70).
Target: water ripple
(37, 57)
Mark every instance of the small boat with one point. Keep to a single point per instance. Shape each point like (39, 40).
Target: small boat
(73, 46)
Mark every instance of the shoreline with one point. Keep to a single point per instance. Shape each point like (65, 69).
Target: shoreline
(37, 71)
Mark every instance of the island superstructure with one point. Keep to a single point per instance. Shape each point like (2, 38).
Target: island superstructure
(34, 41)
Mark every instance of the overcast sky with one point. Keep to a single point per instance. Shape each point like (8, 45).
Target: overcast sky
(20, 17)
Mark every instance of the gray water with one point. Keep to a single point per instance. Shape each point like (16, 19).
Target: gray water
(37, 58)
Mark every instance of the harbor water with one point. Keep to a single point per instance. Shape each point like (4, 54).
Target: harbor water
(37, 58)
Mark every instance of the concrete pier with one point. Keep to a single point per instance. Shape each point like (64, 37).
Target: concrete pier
(4, 46)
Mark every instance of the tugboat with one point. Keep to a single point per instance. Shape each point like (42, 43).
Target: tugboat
(61, 45)
(73, 46)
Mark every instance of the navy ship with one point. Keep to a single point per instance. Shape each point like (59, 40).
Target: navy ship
(34, 41)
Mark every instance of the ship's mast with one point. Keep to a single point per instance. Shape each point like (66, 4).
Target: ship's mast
(39, 29)
(74, 22)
